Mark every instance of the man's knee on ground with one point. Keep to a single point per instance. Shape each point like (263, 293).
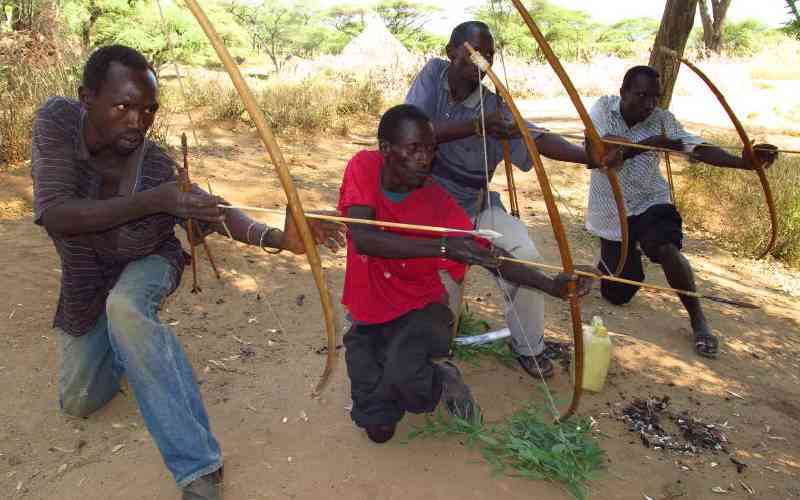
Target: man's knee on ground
(618, 294)
(76, 403)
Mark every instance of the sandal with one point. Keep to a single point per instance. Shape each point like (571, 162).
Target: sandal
(706, 345)
(555, 350)
(457, 395)
(539, 367)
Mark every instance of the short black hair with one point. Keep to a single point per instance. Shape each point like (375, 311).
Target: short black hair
(391, 120)
(635, 71)
(96, 68)
(462, 32)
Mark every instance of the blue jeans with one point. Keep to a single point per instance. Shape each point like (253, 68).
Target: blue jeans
(129, 339)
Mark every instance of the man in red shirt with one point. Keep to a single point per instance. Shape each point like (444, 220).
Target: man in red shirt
(394, 287)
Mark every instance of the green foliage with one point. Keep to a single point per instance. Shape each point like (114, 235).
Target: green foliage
(712, 196)
(627, 38)
(527, 446)
(571, 33)
(281, 28)
(741, 39)
(792, 27)
(568, 31)
(138, 24)
(471, 324)
(406, 20)
(347, 19)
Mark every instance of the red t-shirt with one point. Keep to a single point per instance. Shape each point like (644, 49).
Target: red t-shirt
(377, 290)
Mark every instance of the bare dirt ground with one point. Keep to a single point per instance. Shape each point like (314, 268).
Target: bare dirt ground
(261, 325)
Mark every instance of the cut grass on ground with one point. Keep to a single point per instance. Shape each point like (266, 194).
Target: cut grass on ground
(528, 445)
(469, 325)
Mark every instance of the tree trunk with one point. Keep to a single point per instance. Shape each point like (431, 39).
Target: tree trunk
(793, 8)
(16, 18)
(712, 25)
(676, 25)
(86, 30)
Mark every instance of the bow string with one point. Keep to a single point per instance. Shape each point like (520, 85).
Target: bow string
(555, 221)
(293, 199)
(748, 152)
(593, 138)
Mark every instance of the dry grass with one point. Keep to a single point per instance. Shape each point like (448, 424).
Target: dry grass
(778, 63)
(317, 105)
(310, 105)
(730, 205)
(25, 83)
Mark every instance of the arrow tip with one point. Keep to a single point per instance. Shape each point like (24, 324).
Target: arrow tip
(489, 234)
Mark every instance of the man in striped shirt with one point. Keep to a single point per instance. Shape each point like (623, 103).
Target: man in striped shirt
(108, 199)
(654, 223)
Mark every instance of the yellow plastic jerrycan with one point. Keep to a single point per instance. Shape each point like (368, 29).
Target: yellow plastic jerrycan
(597, 358)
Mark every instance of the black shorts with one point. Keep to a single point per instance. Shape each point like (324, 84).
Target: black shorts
(648, 231)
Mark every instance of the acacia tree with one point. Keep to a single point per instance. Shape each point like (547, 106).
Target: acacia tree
(282, 28)
(713, 22)
(406, 19)
(347, 19)
(570, 32)
(272, 25)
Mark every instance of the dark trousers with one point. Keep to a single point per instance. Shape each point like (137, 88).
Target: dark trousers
(390, 365)
(657, 226)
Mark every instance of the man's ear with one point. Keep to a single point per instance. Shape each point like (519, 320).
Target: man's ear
(383, 147)
(451, 52)
(85, 95)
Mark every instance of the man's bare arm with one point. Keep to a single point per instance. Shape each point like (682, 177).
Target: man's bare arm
(78, 216)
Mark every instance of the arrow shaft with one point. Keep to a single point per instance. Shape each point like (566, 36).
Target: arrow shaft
(632, 282)
(378, 223)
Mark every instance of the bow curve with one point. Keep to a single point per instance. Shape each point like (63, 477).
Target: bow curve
(293, 199)
(592, 136)
(748, 152)
(555, 222)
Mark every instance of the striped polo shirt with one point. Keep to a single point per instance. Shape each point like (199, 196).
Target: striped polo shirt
(642, 183)
(62, 169)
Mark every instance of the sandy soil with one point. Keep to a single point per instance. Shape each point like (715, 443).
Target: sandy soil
(262, 322)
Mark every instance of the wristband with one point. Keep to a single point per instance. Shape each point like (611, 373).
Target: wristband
(266, 232)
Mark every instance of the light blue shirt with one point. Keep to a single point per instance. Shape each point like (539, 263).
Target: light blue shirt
(460, 166)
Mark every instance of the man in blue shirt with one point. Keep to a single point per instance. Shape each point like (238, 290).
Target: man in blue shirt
(449, 92)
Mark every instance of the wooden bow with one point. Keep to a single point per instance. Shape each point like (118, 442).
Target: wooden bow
(294, 204)
(592, 136)
(555, 222)
(748, 153)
